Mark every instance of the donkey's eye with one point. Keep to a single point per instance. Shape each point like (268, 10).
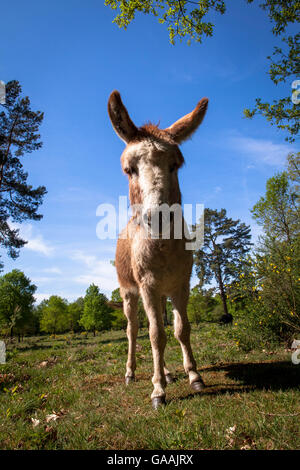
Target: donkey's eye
(173, 168)
(131, 171)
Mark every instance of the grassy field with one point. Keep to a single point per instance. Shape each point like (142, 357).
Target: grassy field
(68, 392)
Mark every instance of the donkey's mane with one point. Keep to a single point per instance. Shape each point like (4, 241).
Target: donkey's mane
(151, 130)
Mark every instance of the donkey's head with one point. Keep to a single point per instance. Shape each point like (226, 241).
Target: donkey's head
(152, 156)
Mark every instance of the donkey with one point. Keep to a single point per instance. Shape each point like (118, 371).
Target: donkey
(154, 267)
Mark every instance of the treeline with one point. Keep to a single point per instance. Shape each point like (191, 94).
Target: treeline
(20, 316)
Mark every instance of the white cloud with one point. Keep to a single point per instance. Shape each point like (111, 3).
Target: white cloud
(35, 241)
(70, 296)
(41, 279)
(99, 272)
(41, 296)
(39, 245)
(261, 150)
(53, 270)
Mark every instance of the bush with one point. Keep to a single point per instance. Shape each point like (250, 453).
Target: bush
(119, 321)
(267, 296)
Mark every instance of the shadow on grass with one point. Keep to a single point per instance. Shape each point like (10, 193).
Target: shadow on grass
(277, 375)
(33, 347)
(271, 376)
(121, 340)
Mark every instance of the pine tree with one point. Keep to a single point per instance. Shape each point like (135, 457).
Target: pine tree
(226, 243)
(19, 201)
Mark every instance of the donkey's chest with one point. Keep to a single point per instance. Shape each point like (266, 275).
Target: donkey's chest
(165, 262)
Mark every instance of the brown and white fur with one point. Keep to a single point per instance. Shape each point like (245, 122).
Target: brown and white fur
(154, 268)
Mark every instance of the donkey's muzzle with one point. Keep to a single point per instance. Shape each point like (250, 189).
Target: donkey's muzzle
(158, 222)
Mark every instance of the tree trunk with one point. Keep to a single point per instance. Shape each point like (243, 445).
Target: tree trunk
(223, 297)
(227, 317)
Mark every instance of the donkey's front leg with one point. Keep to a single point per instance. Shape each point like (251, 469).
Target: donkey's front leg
(182, 331)
(158, 338)
(130, 304)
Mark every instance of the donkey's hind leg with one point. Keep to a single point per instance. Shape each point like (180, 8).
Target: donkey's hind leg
(130, 304)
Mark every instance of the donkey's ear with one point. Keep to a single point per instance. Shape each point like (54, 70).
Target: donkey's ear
(184, 127)
(120, 119)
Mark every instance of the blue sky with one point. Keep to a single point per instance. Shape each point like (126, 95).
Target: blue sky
(68, 57)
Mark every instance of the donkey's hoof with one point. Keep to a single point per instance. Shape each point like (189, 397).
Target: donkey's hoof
(198, 386)
(157, 402)
(169, 379)
(129, 379)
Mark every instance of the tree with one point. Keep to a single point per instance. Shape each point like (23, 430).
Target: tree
(37, 315)
(293, 169)
(96, 313)
(278, 210)
(278, 253)
(186, 19)
(200, 305)
(16, 301)
(226, 243)
(284, 68)
(54, 317)
(75, 312)
(19, 135)
(116, 296)
(119, 321)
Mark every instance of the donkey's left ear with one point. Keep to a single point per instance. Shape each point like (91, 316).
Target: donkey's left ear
(184, 127)
(120, 119)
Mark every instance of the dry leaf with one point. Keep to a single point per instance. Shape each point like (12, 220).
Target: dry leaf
(231, 430)
(35, 422)
(52, 417)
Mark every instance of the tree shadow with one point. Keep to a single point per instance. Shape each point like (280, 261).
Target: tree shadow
(277, 375)
(274, 376)
(121, 340)
(32, 347)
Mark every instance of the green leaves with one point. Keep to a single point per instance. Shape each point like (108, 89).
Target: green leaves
(19, 135)
(96, 313)
(54, 317)
(181, 17)
(185, 19)
(278, 210)
(284, 68)
(16, 300)
(226, 242)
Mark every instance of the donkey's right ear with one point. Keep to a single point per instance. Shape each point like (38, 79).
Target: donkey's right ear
(120, 119)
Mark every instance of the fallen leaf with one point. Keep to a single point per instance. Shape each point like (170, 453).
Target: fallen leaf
(231, 430)
(246, 447)
(35, 422)
(52, 417)
(43, 364)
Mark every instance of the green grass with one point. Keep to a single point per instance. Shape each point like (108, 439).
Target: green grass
(251, 401)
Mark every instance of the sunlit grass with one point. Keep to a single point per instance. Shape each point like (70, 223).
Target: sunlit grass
(68, 392)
